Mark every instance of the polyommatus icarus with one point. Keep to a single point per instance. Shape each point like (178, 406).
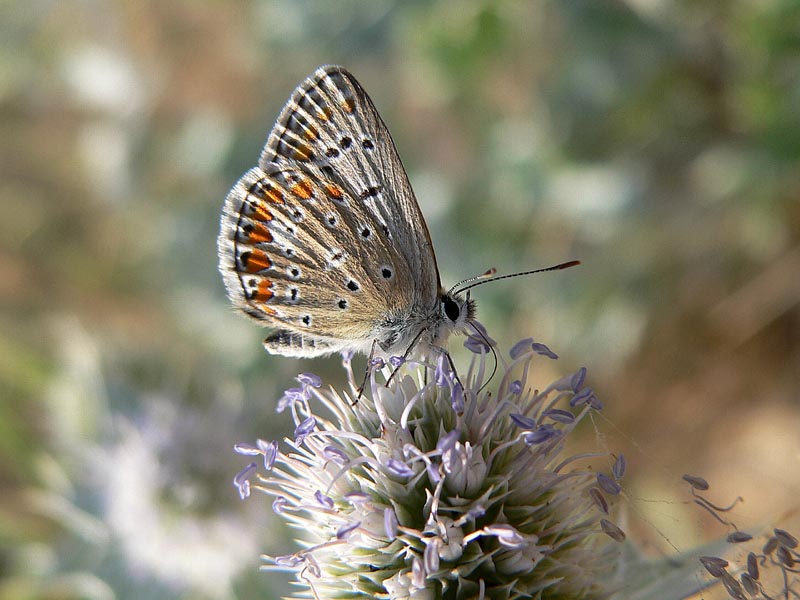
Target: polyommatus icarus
(324, 239)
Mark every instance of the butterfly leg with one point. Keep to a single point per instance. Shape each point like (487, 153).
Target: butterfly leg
(406, 354)
(366, 372)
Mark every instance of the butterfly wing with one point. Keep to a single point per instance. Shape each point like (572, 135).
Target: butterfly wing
(324, 239)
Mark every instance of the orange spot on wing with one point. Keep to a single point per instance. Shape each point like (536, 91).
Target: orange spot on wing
(303, 189)
(272, 194)
(349, 105)
(265, 191)
(311, 133)
(263, 293)
(257, 233)
(260, 212)
(334, 191)
(255, 261)
(324, 114)
(302, 152)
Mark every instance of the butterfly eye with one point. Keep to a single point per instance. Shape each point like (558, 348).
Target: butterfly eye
(451, 308)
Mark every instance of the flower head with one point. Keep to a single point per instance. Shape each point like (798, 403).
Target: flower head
(434, 487)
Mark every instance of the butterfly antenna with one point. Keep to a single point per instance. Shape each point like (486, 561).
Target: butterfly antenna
(488, 273)
(479, 280)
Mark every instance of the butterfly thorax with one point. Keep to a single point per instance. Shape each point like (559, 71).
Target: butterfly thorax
(416, 332)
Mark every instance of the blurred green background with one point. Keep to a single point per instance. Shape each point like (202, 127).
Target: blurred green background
(657, 141)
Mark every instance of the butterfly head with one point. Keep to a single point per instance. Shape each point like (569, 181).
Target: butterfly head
(456, 310)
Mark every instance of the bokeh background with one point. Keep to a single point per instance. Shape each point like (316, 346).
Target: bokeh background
(657, 141)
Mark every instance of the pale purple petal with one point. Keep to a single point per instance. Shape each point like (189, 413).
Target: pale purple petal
(696, 482)
(270, 454)
(714, 565)
(612, 531)
(347, 358)
(479, 327)
(290, 560)
(506, 535)
(310, 379)
(738, 537)
(443, 375)
(576, 382)
(752, 565)
(278, 504)
(433, 472)
(515, 387)
(448, 441)
(542, 434)
(476, 344)
(312, 568)
(244, 489)
(522, 421)
(246, 449)
(356, 497)
(544, 350)
(457, 398)
(306, 427)
(396, 361)
(335, 454)
(241, 481)
(608, 485)
(521, 348)
(785, 538)
(479, 342)
(559, 416)
(599, 500)
(291, 396)
(390, 523)
(430, 558)
(345, 530)
(417, 574)
(323, 500)
(399, 468)
(582, 397)
(620, 465)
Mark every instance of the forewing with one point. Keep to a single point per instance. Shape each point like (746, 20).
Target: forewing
(330, 124)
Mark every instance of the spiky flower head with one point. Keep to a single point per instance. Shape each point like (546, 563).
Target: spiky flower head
(436, 487)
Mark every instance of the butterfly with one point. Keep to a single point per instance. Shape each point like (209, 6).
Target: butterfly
(324, 241)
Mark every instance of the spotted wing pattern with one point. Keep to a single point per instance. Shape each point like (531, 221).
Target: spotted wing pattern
(324, 239)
